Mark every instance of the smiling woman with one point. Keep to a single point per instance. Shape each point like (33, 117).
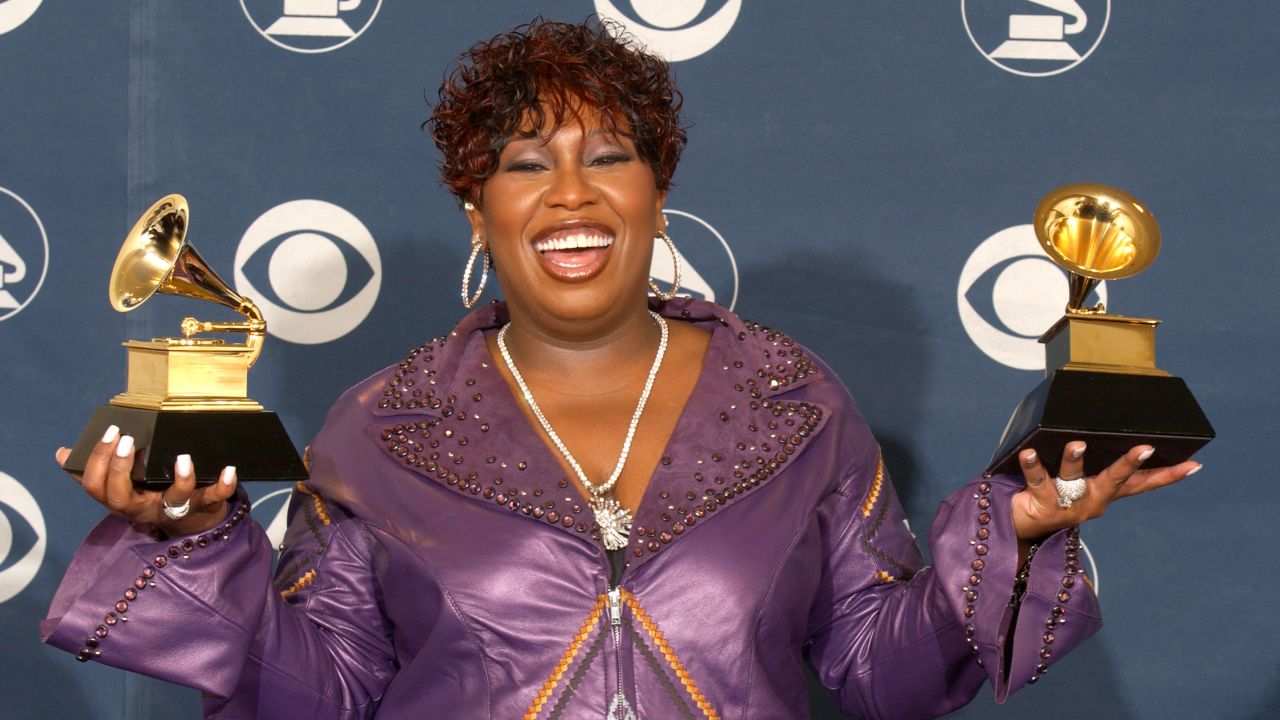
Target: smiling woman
(585, 502)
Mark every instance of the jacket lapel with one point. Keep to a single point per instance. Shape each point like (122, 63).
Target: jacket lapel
(448, 416)
(737, 433)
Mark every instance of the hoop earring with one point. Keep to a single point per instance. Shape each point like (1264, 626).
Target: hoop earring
(477, 247)
(675, 259)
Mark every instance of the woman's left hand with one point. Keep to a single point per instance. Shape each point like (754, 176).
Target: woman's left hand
(1038, 511)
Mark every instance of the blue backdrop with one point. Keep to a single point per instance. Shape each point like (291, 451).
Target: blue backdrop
(860, 174)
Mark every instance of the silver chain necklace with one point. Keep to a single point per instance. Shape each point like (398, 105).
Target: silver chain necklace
(613, 519)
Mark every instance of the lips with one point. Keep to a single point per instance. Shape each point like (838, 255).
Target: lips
(574, 252)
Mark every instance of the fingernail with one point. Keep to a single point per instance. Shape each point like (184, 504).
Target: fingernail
(125, 447)
(109, 436)
(228, 474)
(1193, 471)
(1146, 454)
(1078, 452)
(184, 465)
(1030, 459)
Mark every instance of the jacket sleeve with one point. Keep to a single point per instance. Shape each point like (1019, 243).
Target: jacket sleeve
(894, 639)
(203, 611)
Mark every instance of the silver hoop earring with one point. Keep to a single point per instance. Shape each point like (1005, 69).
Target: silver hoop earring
(675, 260)
(477, 247)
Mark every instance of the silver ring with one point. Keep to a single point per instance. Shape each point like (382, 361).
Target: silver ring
(175, 512)
(1070, 490)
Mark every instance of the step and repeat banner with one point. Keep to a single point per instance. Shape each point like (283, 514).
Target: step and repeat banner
(861, 174)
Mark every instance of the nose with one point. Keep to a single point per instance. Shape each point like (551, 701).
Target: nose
(570, 187)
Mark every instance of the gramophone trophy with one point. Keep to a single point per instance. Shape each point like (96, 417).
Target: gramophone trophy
(1102, 384)
(187, 394)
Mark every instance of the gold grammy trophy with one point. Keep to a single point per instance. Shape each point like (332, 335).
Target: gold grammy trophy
(1102, 383)
(187, 394)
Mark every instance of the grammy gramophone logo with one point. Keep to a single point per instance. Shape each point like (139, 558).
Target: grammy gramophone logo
(1036, 38)
(310, 26)
(24, 254)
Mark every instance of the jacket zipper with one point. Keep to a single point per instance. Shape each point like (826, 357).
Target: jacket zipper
(615, 621)
(619, 708)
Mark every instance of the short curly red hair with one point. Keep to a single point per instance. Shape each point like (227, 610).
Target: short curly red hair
(542, 72)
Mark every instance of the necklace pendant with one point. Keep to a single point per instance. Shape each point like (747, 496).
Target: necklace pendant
(614, 521)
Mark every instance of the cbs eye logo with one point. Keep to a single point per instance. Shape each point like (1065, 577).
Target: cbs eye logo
(276, 505)
(1036, 38)
(674, 30)
(1093, 570)
(313, 269)
(1009, 294)
(21, 526)
(708, 269)
(15, 12)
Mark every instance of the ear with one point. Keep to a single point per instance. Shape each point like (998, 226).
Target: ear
(661, 221)
(475, 216)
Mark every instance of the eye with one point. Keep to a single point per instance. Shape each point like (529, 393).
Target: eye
(524, 166)
(308, 271)
(611, 158)
(21, 537)
(1021, 295)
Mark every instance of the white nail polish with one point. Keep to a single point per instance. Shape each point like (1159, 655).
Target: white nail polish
(1078, 452)
(1030, 459)
(228, 473)
(1146, 454)
(184, 465)
(1193, 471)
(125, 446)
(110, 435)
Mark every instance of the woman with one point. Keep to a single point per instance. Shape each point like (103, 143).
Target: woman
(584, 503)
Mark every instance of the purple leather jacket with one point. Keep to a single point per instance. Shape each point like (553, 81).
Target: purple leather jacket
(440, 564)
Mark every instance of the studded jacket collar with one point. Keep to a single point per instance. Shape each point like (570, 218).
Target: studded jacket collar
(736, 432)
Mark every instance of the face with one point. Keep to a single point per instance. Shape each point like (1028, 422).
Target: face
(570, 219)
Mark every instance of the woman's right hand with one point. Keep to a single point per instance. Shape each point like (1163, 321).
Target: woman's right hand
(106, 479)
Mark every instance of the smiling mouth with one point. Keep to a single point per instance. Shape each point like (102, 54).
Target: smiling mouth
(573, 242)
(574, 255)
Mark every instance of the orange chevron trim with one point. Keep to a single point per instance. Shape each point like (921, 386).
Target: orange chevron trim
(321, 512)
(306, 579)
(549, 687)
(876, 485)
(664, 647)
(885, 577)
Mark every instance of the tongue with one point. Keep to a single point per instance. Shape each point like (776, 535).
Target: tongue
(573, 258)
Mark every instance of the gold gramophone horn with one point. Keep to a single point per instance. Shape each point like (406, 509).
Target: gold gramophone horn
(1095, 232)
(156, 257)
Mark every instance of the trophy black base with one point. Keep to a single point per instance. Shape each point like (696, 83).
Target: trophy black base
(1112, 412)
(255, 442)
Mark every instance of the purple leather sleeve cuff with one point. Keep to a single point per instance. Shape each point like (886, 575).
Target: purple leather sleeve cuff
(975, 553)
(161, 607)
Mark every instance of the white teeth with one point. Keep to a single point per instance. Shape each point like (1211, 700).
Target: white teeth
(578, 241)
